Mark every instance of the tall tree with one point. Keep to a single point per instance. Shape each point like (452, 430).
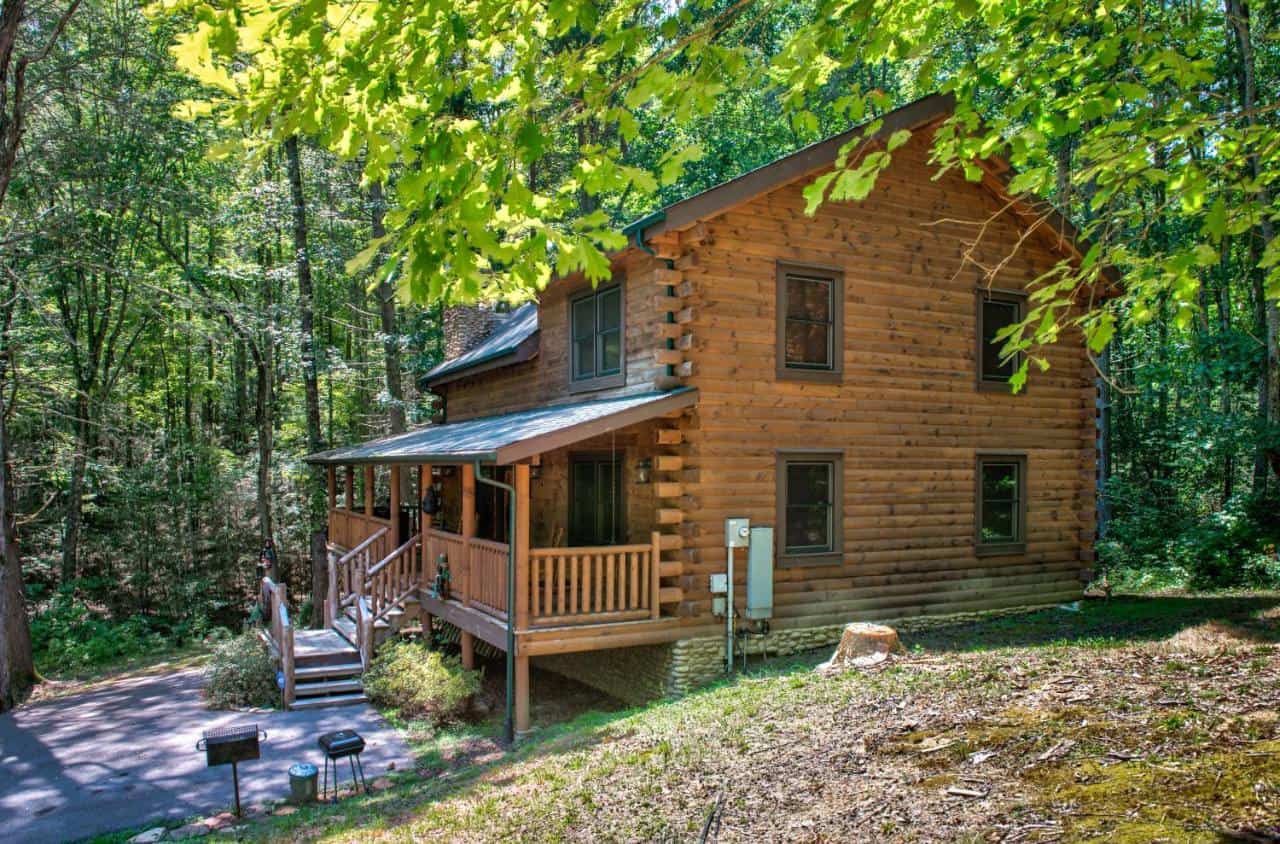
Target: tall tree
(386, 293)
(17, 57)
(316, 510)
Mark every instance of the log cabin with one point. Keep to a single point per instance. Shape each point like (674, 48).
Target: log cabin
(832, 383)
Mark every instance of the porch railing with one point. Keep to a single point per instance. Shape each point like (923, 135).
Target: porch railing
(591, 585)
(564, 586)
(487, 575)
(453, 547)
(349, 528)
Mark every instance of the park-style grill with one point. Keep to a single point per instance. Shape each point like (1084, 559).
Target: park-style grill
(337, 745)
(230, 746)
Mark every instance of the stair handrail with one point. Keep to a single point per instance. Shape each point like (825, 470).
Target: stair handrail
(369, 540)
(387, 591)
(280, 631)
(364, 631)
(338, 568)
(286, 656)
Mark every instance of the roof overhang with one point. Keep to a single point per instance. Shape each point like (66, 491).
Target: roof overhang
(511, 437)
(515, 341)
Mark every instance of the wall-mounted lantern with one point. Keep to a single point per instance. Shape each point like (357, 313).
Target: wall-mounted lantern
(642, 470)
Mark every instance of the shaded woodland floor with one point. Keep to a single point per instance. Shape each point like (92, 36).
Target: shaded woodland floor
(1134, 719)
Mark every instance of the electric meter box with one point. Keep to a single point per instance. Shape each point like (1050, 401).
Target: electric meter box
(737, 533)
(760, 574)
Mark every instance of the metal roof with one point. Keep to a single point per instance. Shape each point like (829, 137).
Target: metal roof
(518, 327)
(511, 437)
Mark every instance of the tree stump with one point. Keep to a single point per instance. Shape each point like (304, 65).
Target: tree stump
(863, 645)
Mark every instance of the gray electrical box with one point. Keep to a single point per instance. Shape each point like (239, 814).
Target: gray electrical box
(760, 574)
(737, 533)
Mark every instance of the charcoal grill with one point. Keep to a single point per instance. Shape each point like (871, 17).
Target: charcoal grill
(343, 744)
(230, 746)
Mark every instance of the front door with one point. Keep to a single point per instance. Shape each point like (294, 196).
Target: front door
(595, 500)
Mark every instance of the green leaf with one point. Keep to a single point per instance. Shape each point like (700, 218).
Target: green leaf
(815, 191)
(361, 260)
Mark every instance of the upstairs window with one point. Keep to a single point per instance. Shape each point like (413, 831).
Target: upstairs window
(810, 507)
(997, 310)
(1001, 505)
(810, 308)
(595, 326)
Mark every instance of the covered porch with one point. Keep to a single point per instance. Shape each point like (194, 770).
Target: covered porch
(563, 498)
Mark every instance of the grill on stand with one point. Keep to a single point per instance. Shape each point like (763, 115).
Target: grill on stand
(231, 746)
(338, 745)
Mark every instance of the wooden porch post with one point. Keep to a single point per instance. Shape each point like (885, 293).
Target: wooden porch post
(351, 488)
(521, 539)
(368, 490)
(468, 528)
(395, 505)
(464, 576)
(522, 694)
(468, 650)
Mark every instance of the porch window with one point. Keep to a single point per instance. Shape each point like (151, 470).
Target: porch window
(595, 321)
(595, 500)
(810, 506)
(810, 323)
(1001, 506)
(997, 310)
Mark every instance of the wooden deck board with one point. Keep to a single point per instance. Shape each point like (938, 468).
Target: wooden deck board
(314, 643)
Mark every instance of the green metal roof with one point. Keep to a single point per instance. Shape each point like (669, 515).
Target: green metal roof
(511, 437)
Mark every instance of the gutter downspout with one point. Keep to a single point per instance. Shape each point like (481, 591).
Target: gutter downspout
(509, 725)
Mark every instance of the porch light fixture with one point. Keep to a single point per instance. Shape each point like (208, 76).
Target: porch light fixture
(535, 471)
(642, 471)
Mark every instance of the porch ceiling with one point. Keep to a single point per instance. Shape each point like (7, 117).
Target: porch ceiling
(511, 437)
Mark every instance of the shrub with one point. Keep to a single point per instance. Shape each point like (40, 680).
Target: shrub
(68, 635)
(420, 683)
(1231, 547)
(241, 673)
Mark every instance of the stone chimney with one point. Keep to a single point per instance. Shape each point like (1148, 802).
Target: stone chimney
(466, 326)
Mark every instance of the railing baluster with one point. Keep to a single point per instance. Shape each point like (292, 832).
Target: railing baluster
(634, 597)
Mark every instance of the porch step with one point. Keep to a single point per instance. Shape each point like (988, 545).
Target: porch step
(320, 672)
(329, 700)
(328, 687)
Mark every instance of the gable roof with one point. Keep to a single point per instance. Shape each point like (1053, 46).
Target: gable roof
(515, 341)
(817, 157)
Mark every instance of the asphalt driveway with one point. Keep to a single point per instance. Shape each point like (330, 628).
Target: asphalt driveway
(123, 755)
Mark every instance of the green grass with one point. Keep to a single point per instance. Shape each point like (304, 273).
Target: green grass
(765, 744)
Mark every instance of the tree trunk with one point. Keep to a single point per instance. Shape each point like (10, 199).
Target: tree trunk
(1267, 455)
(316, 509)
(263, 418)
(75, 492)
(17, 669)
(390, 329)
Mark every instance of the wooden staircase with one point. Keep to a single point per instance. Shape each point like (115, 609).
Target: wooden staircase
(369, 602)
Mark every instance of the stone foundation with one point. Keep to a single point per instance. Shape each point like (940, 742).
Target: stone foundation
(642, 674)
